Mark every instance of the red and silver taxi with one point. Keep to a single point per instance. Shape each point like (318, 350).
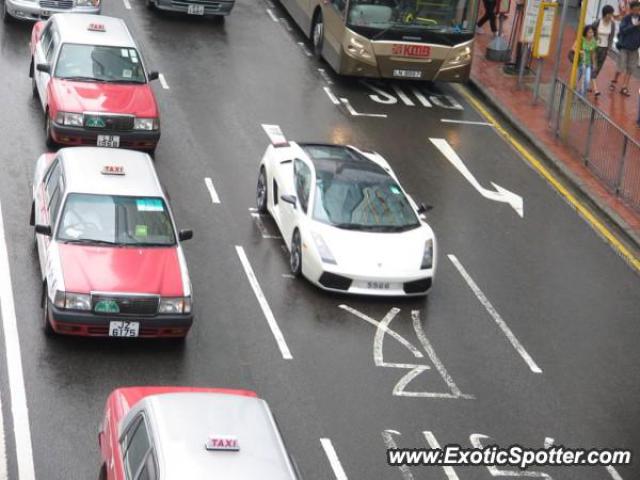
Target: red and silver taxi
(177, 433)
(108, 248)
(92, 83)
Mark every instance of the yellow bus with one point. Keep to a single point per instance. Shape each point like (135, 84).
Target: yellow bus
(413, 39)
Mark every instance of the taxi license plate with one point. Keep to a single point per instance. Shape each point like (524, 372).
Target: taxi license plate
(195, 9)
(407, 73)
(124, 329)
(111, 141)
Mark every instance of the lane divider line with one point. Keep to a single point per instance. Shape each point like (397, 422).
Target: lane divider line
(212, 190)
(325, 76)
(19, 409)
(305, 49)
(331, 96)
(163, 81)
(285, 24)
(331, 454)
(3, 447)
(613, 472)
(495, 315)
(465, 122)
(127, 5)
(264, 305)
(537, 165)
(272, 15)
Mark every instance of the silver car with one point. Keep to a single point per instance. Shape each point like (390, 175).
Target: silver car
(43, 9)
(194, 7)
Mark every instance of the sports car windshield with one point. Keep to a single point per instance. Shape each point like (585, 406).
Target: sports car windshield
(116, 220)
(412, 15)
(99, 64)
(356, 194)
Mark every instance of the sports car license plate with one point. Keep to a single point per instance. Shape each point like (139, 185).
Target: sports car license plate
(45, 13)
(124, 329)
(407, 73)
(111, 141)
(195, 9)
(379, 285)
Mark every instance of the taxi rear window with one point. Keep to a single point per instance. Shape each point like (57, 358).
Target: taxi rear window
(118, 220)
(100, 64)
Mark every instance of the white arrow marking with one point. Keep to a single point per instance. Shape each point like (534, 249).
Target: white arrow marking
(500, 195)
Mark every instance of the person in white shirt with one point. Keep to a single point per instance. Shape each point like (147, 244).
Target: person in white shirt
(605, 33)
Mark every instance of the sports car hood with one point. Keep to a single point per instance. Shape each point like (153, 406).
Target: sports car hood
(368, 253)
(121, 269)
(137, 100)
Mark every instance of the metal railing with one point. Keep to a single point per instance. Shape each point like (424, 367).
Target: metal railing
(605, 148)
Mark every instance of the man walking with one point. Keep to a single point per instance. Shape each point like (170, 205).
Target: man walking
(628, 45)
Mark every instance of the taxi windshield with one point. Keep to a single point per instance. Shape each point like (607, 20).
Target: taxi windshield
(99, 64)
(412, 15)
(116, 220)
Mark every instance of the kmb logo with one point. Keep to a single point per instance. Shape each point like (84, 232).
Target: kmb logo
(422, 51)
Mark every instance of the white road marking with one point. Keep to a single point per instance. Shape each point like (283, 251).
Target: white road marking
(264, 305)
(353, 112)
(257, 219)
(548, 442)
(19, 409)
(389, 441)
(455, 391)
(402, 96)
(495, 315)
(325, 76)
(475, 438)
(212, 190)
(288, 275)
(331, 96)
(466, 122)
(163, 81)
(3, 448)
(305, 49)
(433, 443)
(614, 473)
(421, 98)
(285, 24)
(127, 5)
(338, 471)
(499, 195)
(272, 15)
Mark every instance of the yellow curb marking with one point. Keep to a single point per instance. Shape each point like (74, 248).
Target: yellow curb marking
(548, 176)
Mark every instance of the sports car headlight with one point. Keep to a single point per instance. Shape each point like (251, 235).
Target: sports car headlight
(77, 301)
(87, 3)
(145, 124)
(175, 305)
(427, 255)
(325, 254)
(69, 118)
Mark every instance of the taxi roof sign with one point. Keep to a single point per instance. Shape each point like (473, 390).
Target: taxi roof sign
(97, 27)
(113, 170)
(222, 442)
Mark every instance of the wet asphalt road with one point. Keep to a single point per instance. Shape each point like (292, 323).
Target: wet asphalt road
(569, 299)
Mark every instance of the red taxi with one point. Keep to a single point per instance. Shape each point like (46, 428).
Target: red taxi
(178, 433)
(109, 252)
(92, 83)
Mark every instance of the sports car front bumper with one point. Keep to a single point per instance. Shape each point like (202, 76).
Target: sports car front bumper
(417, 284)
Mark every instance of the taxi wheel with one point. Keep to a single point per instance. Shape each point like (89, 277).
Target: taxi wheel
(34, 86)
(103, 472)
(318, 36)
(48, 329)
(261, 192)
(295, 256)
(50, 142)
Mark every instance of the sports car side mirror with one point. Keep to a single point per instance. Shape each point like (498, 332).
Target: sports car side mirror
(43, 230)
(289, 199)
(422, 209)
(153, 76)
(43, 67)
(185, 235)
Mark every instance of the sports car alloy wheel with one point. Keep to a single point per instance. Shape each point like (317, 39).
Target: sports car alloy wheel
(261, 192)
(295, 257)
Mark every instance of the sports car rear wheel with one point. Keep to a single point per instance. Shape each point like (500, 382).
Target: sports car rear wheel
(295, 256)
(261, 192)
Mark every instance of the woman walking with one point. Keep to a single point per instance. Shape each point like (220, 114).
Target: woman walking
(588, 45)
(605, 33)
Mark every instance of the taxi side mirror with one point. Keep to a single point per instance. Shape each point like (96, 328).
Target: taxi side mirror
(185, 235)
(43, 67)
(422, 209)
(291, 199)
(153, 76)
(43, 230)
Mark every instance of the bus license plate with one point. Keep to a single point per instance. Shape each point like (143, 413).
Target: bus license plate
(407, 73)
(124, 329)
(111, 141)
(195, 9)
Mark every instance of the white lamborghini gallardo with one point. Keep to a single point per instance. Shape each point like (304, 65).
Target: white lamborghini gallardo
(348, 224)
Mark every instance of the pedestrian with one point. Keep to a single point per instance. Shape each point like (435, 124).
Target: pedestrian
(628, 45)
(605, 33)
(587, 60)
(490, 15)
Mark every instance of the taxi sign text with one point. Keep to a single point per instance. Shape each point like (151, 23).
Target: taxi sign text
(404, 50)
(222, 443)
(96, 27)
(113, 170)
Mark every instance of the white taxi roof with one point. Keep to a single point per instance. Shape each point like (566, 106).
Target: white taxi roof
(75, 28)
(83, 167)
(182, 423)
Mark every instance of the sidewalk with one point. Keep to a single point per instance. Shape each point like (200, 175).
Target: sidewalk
(517, 105)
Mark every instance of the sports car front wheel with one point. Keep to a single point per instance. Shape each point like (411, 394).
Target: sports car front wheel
(295, 256)
(261, 192)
